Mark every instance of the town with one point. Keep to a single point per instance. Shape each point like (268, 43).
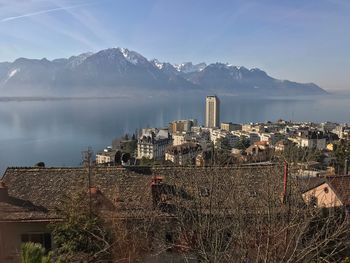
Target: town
(223, 192)
(317, 148)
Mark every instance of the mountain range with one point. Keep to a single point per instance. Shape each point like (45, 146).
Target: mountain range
(119, 71)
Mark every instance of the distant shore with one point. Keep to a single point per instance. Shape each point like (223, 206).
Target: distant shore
(48, 98)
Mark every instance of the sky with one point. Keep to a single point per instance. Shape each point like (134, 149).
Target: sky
(304, 41)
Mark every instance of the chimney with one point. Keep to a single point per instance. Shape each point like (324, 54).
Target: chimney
(346, 167)
(156, 189)
(4, 196)
(94, 191)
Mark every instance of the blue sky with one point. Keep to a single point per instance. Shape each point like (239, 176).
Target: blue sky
(305, 41)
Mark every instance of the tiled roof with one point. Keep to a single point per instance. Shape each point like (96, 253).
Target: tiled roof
(182, 148)
(41, 191)
(307, 183)
(49, 187)
(21, 210)
(341, 186)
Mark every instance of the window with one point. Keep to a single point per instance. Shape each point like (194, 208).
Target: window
(169, 237)
(41, 238)
(313, 201)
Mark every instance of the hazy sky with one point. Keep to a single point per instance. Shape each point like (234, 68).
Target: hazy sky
(306, 41)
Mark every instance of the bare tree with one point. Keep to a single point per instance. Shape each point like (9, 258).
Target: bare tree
(226, 215)
(222, 214)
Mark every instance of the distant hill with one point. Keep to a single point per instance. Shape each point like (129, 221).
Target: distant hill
(119, 71)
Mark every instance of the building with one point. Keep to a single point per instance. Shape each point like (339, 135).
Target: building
(253, 127)
(268, 137)
(319, 144)
(31, 197)
(220, 135)
(229, 126)
(332, 191)
(182, 154)
(202, 139)
(180, 138)
(310, 139)
(314, 140)
(152, 145)
(203, 158)
(258, 152)
(328, 126)
(282, 145)
(106, 156)
(253, 137)
(343, 131)
(182, 125)
(212, 112)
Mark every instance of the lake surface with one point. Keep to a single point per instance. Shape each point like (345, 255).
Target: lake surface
(56, 131)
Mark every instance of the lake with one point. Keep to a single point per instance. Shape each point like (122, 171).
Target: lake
(56, 131)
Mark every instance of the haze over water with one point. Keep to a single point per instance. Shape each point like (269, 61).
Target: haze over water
(56, 131)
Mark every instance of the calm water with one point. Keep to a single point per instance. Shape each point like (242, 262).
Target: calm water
(56, 131)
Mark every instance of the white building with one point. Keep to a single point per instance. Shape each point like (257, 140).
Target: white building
(343, 131)
(153, 145)
(180, 138)
(313, 143)
(105, 156)
(212, 112)
(310, 139)
(253, 127)
(217, 134)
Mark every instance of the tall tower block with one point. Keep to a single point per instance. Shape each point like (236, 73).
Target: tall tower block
(212, 112)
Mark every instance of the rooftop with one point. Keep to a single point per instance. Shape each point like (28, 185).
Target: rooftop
(340, 185)
(36, 193)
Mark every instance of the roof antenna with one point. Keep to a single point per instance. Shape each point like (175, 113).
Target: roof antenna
(87, 162)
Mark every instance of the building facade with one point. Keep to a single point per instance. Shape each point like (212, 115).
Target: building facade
(153, 145)
(180, 138)
(230, 138)
(182, 125)
(182, 154)
(212, 112)
(310, 139)
(106, 156)
(229, 126)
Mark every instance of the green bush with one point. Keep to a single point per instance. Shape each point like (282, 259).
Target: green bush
(34, 253)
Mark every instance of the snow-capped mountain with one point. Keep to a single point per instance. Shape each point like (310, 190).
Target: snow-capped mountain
(119, 71)
(166, 68)
(188, 67)
(133, 57)
(75, 61)
(240, 80)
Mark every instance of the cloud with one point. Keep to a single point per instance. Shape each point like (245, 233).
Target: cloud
(63, 8)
